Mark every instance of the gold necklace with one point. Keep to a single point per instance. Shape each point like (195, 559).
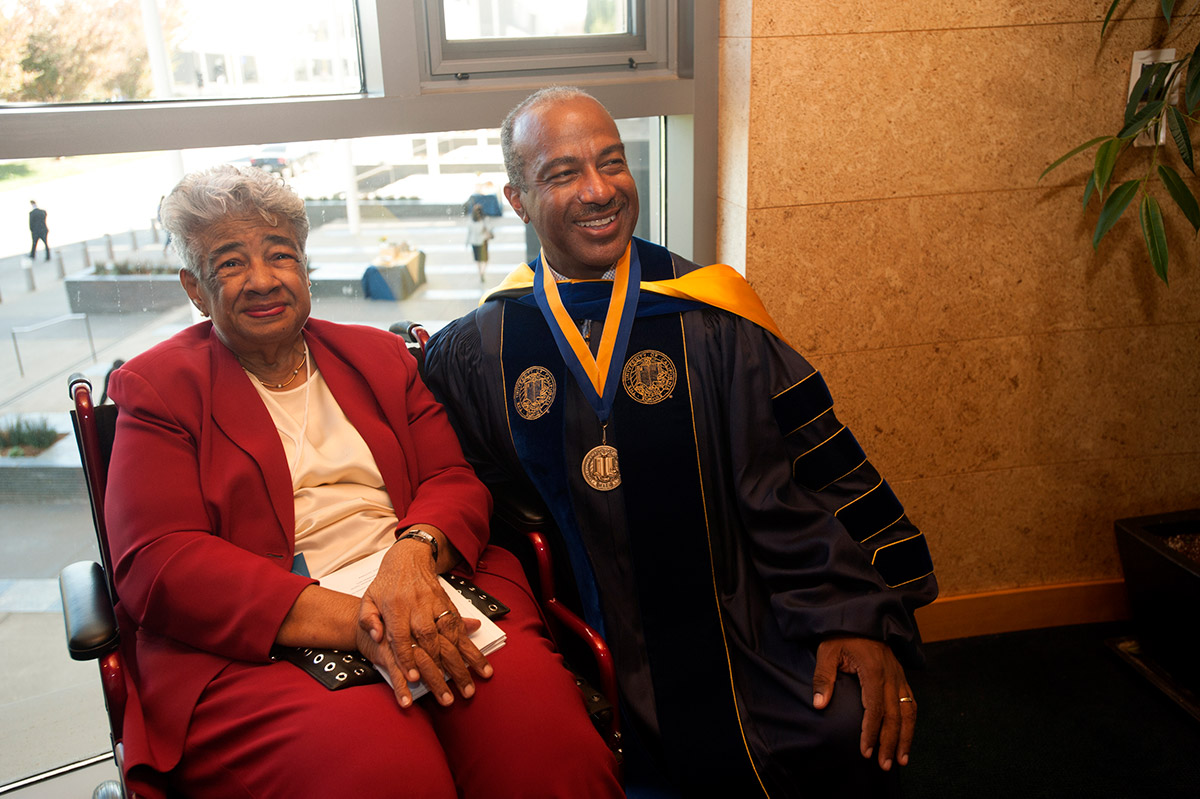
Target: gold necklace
(285, 383)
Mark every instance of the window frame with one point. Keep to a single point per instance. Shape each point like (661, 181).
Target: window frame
(396, 100)
(647, 45)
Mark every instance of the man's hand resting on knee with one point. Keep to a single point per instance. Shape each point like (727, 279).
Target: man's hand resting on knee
(889, 712)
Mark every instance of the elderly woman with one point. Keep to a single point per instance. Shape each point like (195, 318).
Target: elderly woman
(261, 439)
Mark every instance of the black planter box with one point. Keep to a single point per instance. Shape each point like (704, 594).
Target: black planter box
(1164, 591)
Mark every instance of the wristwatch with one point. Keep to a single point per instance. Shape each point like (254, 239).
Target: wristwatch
(421, 535)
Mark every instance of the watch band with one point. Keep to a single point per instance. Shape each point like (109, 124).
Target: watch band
(421, 535)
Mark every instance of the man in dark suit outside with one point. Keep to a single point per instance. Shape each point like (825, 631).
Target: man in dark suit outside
(38, 230)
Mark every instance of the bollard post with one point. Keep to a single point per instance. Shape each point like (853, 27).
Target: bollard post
(108, 244)
(29, 282)
(153, 230)
(87, 259)
(58, 263)
(133, 240)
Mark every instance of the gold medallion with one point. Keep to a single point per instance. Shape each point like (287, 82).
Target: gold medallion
(534, 392)
(649, 377)
(600, 468)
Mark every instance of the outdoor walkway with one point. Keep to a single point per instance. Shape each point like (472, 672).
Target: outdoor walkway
(50, 707)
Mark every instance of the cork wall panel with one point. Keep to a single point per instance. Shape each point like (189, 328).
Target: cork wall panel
(917, 270)
(838, 118)
(1019, 390)
(1044, 524)
(1016, 402)
(800, 18)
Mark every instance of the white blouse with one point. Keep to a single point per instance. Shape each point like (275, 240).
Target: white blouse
(343, 511)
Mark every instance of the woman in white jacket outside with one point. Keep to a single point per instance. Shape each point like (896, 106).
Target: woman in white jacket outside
(478, 235)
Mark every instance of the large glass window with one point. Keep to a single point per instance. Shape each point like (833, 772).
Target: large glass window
(99, 51)
(388, 243)
(99, 158)
(466, 20)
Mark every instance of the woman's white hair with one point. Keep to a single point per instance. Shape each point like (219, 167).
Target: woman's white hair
(202, 199)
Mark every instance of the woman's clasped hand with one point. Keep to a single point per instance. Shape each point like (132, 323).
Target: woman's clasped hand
(413, 631)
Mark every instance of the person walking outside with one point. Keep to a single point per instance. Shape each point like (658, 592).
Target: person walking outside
(38, 230)
(478, 235)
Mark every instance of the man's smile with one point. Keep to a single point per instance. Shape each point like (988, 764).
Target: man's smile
(598, 222)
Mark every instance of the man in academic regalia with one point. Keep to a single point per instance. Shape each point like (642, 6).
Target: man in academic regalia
(753, 574)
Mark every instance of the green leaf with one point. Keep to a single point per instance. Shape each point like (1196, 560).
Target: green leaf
(1108, 16)
(1192, 90)
(1179, 132)
(1158, 80)
(1076, 151)
(1155, 236)
(1089, 189)
(1106, 158)
(1112, 209)
(1167, 5)
(1141, 119)
(1137, 93)
(1181, 194)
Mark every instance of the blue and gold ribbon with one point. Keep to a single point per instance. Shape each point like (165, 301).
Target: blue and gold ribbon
(597, 376)
(718, 285)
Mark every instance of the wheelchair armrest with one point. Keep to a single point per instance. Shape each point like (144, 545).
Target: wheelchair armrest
(525, 520)
(601, 654)
(87, 611)
(521, 513)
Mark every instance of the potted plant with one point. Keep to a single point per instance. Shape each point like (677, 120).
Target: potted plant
(1158, 553)
(1166, 98)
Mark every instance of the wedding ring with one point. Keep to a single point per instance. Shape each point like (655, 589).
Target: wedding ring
(907, 699)
(438, 617)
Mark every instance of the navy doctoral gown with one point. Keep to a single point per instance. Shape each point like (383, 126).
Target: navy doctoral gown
(748, 526)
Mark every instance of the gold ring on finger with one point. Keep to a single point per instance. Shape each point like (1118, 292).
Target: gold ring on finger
(907, 699)
(438, 617)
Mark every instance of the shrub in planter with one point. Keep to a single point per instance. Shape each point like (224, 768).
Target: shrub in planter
(26, 437)
(130, 286)
(134, 266)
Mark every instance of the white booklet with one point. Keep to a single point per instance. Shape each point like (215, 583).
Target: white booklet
(357, 576)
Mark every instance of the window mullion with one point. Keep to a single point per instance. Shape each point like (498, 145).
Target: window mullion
(391, 49)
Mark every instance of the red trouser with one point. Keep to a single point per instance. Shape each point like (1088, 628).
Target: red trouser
(272, 731)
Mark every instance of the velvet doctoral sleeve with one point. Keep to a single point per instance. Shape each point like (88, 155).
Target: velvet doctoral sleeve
(826, 534)
(172, 526)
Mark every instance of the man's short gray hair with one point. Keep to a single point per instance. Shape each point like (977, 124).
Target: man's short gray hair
(514, 161)
(203, 199)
